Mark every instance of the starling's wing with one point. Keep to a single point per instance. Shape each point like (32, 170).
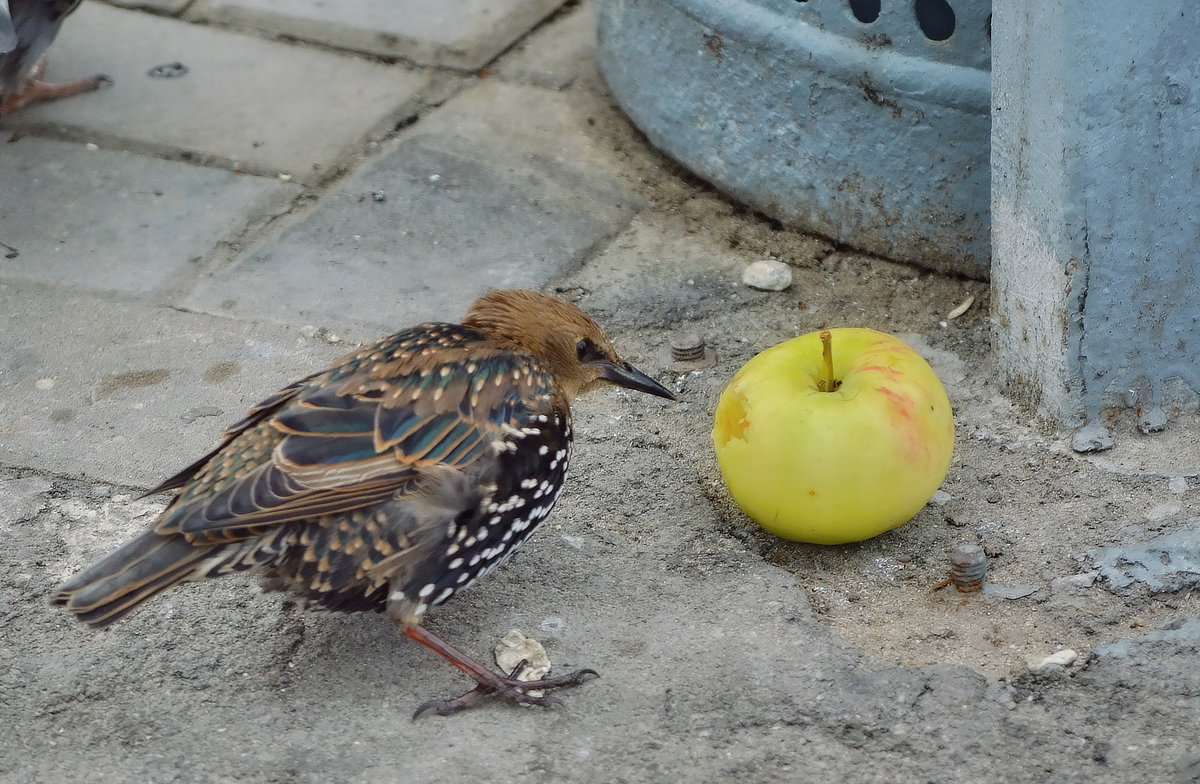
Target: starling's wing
(253, 417)
(362, 433)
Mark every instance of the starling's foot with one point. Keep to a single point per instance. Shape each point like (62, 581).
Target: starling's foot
(37, 91)
(509, 687)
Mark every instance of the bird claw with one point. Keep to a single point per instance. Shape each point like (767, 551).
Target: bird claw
(37, 91)
(509, 687)
(446, 707)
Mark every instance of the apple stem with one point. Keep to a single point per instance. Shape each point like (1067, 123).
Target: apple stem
(827, 384)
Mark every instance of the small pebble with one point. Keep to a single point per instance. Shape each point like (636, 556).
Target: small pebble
(379, 196)
(941, 498)
(285, 177)
(767, 275)
(1177, 485)
(92, 146)
(1064, 658)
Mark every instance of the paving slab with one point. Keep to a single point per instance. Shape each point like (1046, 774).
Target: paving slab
(268, 106)
(556, 54)
(499, 188)
(466, 34)
(108, 220)
(713, 664)
(127, 392)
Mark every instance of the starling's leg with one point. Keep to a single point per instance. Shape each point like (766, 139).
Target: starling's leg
(489, 682)
(35, 90)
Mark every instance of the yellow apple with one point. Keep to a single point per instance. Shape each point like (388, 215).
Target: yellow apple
(834, 436)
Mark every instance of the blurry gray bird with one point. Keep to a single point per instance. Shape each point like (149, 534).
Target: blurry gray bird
(27, 28)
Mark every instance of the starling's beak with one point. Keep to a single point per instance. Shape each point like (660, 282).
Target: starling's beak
(626, 375)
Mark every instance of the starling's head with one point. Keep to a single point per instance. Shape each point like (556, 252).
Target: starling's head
(558, 333)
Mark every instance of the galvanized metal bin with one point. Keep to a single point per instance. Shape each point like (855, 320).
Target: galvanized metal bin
(865, 121)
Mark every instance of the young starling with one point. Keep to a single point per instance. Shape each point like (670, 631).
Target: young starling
(388, 482)
(27, 28)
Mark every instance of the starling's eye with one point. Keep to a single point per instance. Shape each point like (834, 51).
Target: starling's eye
(586, 350)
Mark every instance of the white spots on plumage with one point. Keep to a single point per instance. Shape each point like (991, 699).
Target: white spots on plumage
(501, 446)
(475, 559)
(513, 502)
(426, 590)
(444, 595)
(445, 371)
(454, 564)
(452, 549)
(529, 483)
(495, 519)
(543, 450)
(472, 367)
(559, 457)
(544, 418)
(469, 541)
(531, 431)
(463, 577)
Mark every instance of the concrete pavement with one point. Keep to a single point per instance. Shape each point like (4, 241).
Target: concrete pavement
(175, 249)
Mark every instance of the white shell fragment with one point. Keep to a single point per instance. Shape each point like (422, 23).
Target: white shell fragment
(515, 647)
(962, 308)
(768, 275)
(1064, 658)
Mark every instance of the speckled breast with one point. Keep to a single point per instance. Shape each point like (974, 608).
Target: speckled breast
(531, 467)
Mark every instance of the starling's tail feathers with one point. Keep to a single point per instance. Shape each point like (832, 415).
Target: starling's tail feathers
(137, 570)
